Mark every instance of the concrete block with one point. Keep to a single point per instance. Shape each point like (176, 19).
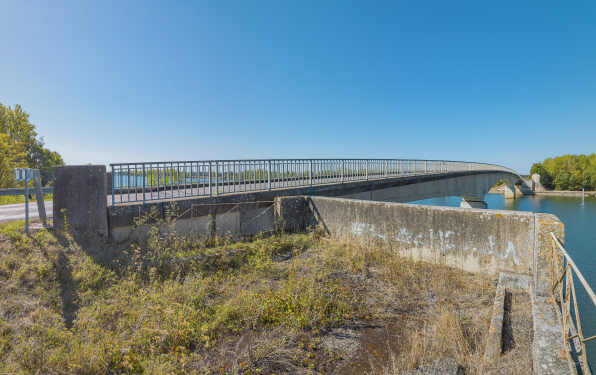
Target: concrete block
(80, 197)
(494, 345)
(291, 213)
(515, 280)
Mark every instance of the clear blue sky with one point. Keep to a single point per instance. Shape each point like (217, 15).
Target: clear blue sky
(505, 82)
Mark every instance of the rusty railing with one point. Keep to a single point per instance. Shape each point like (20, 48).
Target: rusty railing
(560, 271)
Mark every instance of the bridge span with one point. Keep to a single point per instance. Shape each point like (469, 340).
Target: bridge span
(392, 180)
(82, 193)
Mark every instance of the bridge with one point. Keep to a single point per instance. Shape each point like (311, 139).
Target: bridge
(391, 180)
(240, 198)
(135, 189)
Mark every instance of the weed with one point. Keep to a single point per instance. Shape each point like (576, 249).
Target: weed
(165, 303)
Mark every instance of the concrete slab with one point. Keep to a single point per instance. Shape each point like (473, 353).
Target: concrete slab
(494, 340)
(547, 339)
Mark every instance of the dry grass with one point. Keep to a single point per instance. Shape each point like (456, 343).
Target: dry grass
(85, 305)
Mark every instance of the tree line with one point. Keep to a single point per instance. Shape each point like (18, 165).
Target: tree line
(567, 172)
(22, 147)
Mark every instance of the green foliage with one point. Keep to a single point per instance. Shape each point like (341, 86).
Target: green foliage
(20, 147)
(567, 172)
(12, 199)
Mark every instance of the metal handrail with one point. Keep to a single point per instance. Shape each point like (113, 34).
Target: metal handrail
(564, 316)
(21, 191)
(143, 181)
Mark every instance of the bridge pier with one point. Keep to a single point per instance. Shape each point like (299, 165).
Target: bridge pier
(509, 192)
(471, 202)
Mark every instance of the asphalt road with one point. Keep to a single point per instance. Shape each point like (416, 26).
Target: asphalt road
(10, 212)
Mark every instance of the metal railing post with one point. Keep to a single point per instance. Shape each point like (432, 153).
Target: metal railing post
(216, 178)
(113, 179)
(144, 178)
(342, 171)
(27, 207)
(310, 172)
(269, 173)
(425, 167)
(210, 191)
(366, 169)
(386, 170)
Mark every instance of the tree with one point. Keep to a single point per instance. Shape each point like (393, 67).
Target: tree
(545, 177)
(20, 147)
(567, 172)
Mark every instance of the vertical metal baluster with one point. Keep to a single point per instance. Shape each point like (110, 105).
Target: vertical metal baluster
(113, 184)
(269, 173)
(210, 188)
(172, 180)
(144, 200)
(216, 178)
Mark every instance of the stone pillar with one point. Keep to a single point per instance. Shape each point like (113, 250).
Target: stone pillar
(291, 213)
(546, 223)
(80, 198)
(469, 202)
(509, 192)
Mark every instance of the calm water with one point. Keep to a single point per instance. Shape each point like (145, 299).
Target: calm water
(580, 241)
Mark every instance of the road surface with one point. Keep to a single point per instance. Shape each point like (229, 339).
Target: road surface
(10, 212)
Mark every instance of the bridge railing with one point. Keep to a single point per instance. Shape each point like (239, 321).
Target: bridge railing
(135, 182)
(562, 294)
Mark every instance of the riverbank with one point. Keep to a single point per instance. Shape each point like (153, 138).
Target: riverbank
(567, 193)
(560, 193)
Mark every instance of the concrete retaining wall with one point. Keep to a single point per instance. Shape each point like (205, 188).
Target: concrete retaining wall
(223, 219)
(472, 239)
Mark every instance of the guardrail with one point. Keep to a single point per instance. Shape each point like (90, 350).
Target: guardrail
(134, 182)
(21, 191)
(566, 293)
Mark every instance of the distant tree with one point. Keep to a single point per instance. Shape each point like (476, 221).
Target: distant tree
(589, 179)
(545, 177)
(11, 154)
(21, 148)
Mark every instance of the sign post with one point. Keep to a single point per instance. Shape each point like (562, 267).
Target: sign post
(25, 174)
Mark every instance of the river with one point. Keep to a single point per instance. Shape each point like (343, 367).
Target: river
(580, 241)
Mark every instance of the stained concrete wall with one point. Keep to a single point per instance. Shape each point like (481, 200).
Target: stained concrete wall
(224, 219)
(472, 239)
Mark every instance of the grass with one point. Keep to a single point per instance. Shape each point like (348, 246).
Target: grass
(12, 199)
(83, 304)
